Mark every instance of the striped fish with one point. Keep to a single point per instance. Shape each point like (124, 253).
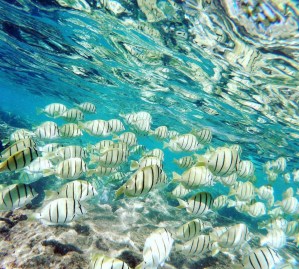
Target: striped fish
(237, 148)
(104, 144)
(17, 135)
(87, 107)
(17, 146)
(47, 130)
(292, 228)
(185, 142)
(60, 211)
(127, 137)
(156, 153)
(220, 202)
(160, 132)
(19, 160)
(79, 190)
(255, 210)
(142, 126)
(235, 236)
(279, 165)
(223, 162)
(197, 246)
(38, 165)
(73, 115)
(218, 231)
(49, 148)
(245, 169)
(288, 205)
(100, 261)
(203, 136)
(111, 157)
(230, 180)
(180, 191)
(68, 152)
(70, 130)
(195, 177)
(101, 171)
(96, 127)
(157, 248)
(191, 229)
(116, 125)
(265, 192)
(244, 191)
(16, 196)
(71, 168)
(262, 258)
(53, 110)
(199, 204)
(143, 181)
(146, 161)
(173, 134)
(275, 239)
(185, 162)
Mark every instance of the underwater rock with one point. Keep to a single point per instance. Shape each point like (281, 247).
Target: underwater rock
(130, 258)
(101, 245)
(60, 248)
(82, 229)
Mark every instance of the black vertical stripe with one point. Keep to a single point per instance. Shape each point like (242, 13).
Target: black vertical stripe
(57, 211)
(66, 211)
(258, 261)
(19, 196)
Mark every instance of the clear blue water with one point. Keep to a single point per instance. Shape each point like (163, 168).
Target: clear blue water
(54, 52)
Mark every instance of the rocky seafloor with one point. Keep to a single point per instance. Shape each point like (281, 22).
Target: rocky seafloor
(118, 231)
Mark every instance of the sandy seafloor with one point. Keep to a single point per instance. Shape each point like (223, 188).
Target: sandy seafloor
(118, 232)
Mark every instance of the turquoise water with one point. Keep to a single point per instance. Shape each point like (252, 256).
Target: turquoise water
(217, 66)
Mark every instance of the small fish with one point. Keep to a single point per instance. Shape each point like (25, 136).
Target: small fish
(87, 107)
(146, 161)
(16, 196)
(112, 157)
(203, 136)
(237, 148)
(235, 236)
(17, 146)
(262, 258)
(143, 181)
(116, 125)
(100, 261)
(218, 231)
(288, 205)
(53, 110)
(47, 130)
(70, 130)
(49, 148)
(288, 193)
(185, 162)
(229, 180)
(244, 192)
(127, 137)
(195, 177)
(141, 126)
(60, 211)
(197, 246)
(275, 239)
(185, 142)
(64, 153)
(191, 229)
(71, 168)
(17, 135)
(96, 127)
(157, 248)
(265, 192)
(173, 134)
(156, 153)
(292, 228)
(101, 171)
(19, 160)
(73, 115)
(102, 145)
(160, 132)
(199, 204)
(79, 190)
(38, 165)
(279, 165)
(180, 191)
(255, 210)
(245, 169)
(223, 162)
(220, 202)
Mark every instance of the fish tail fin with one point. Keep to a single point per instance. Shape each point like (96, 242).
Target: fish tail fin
(179, 247)
(139, 266)
(48, 172)
(200, 160)
(89, 147)
(182, 203)
(81, 125)
(93, 159)
(33, 216)
(231, 192)
(277, 203)
(119, 192)
(39, 111)
(5, 141)
(90, 172)
(165, 145)
(175, 177)
(134, 165)
(231, 203)
(115, 137)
